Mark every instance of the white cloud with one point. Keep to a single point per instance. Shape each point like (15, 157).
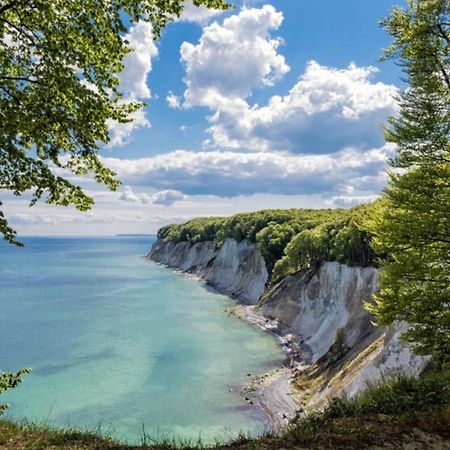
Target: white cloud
(173, 100)
(327, 110)
(120, 133)
(138, 62)
(198, 14)
(133, 81)
(230, 174)
(348, 201)
(74, 218)
(167, 197)
(233, 58)
(128, 195)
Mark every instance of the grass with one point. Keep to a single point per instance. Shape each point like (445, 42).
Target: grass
(405, 410)
(383, 413)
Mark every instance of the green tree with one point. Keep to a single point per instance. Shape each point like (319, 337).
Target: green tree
(59, 88)
(411, 226)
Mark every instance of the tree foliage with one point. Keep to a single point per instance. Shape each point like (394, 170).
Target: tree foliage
(8, 381)
(411, 226)
(59, 89)
(290, 240)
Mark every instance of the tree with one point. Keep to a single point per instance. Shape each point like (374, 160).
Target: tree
(59, 88)
(411, 226)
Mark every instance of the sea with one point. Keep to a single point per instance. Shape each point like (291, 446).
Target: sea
(122, 346)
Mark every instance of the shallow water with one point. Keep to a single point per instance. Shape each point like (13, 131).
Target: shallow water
(117, 341)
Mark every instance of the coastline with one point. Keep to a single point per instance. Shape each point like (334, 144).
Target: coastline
(272, 391)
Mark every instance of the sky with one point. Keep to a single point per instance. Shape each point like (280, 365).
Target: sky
(274, 104)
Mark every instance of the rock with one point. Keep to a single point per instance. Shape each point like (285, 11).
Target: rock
(323, 305)
(236, 269)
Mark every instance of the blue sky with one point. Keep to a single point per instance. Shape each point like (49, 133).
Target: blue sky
(277, 103)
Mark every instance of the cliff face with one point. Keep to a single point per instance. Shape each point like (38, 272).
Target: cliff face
(236, 269)
(323, 306)
(322, 310)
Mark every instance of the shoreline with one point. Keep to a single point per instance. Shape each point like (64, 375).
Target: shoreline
(271, 391)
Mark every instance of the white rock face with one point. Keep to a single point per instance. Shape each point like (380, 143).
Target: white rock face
(383, 358)
(323, 307)
(320, 306)
(236, 269)
(393, 359)
(182, 255)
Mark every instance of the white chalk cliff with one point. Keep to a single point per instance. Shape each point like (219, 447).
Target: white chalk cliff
(321, 305)
(322, 308)
(236, 269)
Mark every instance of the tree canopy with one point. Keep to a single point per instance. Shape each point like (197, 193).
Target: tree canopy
(59, 88)
(411, 226)
(289, 239)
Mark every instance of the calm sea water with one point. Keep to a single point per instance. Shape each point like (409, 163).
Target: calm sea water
(117, 341)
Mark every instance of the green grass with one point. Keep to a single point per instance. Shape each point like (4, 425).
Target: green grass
(404, 410)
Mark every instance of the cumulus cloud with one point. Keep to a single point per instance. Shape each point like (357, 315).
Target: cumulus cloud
(229, 174)
(120, 133)
(348, 201)
(198, 14)
(138, 62)
(133, 81)
(326, 110)
(166, 197)
(233, 58)
(128, 195)
(173, 100)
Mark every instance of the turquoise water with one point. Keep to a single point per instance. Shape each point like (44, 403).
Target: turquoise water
(119, 342)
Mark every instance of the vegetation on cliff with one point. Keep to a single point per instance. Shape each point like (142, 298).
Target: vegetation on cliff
(290, 239)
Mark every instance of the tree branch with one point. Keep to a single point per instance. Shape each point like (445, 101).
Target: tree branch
(443, 33)
(21, 32)
(2, 77)
(5, 89)
(444, 74)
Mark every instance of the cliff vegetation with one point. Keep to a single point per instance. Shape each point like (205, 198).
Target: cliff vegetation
(291, 239)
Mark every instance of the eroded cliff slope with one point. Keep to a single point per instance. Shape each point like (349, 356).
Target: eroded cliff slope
(319, 312)
(236, 269)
